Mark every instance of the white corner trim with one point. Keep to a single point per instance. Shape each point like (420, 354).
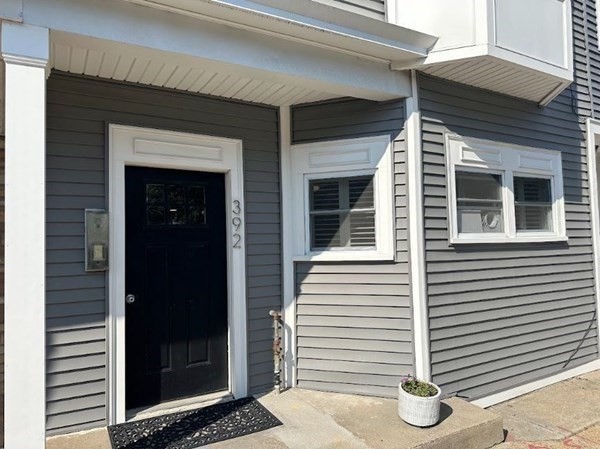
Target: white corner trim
(338, 159)
(593, 136)
(25, 239)
(391, 13)
(122, 153)
(416, 232)
(497, 398)
(287, 229)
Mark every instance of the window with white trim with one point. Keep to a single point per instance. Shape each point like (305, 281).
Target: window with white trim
(343, 197)
(503, 193)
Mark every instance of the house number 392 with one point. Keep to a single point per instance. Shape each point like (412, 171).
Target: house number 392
(236, 221)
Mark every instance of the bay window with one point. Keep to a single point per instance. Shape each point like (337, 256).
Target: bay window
(503, 193)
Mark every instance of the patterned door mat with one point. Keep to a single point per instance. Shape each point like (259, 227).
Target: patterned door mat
(195, 428)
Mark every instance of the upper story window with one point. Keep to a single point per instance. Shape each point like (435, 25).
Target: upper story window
(343, 199)
(502, 193)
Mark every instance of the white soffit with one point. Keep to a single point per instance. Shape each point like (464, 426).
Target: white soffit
(499, 76)
(104, 59)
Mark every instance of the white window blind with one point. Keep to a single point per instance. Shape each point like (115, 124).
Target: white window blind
(342, 213)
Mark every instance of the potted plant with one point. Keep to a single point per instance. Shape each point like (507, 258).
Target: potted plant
(418, 402)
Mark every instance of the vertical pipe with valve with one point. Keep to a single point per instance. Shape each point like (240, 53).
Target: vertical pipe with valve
(277, 349)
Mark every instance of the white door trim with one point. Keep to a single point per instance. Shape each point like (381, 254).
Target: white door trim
(593, 139)
(167, 149)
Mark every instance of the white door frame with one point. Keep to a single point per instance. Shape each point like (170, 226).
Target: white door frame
(147, 147)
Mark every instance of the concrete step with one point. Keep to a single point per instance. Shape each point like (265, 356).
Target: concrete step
(374, 423)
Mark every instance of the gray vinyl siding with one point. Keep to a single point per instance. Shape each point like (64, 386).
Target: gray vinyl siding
(503, 315)
(354, 319)
(370, 8)
(79, 110)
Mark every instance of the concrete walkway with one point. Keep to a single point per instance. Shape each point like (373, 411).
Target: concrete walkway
(564, 415)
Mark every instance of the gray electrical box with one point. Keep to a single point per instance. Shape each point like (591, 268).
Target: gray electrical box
(96, 240)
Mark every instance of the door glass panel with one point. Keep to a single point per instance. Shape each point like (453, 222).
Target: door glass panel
(175, 204)
(155, 193)
(196, 196)
(197, 215)
(176, 215)
(176, 194)
(155, 215)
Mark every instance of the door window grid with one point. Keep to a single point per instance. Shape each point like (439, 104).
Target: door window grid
(175, 204)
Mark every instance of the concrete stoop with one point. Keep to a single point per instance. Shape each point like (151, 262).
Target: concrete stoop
(317, 420)
(373, 423)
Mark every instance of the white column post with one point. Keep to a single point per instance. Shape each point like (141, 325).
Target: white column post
(289, 297)
(25, 52)
(416, 231)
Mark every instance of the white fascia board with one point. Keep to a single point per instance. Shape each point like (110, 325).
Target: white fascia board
(309, 22)
(215, 46)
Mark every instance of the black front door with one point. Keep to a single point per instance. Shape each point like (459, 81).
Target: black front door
(176, 320)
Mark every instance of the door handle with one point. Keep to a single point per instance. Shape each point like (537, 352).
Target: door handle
(130, 299)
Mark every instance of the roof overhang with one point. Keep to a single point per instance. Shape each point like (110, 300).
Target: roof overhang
(120, 40)
(311, 23)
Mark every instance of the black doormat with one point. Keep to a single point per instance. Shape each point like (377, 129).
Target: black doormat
(195, 428)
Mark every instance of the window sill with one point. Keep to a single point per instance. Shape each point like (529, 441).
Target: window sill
(345, 256)
(502, 240)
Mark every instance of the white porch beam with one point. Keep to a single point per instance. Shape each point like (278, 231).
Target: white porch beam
(25, 51)
(220, 48)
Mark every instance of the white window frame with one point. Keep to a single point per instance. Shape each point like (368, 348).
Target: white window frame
(484, 156)
(344, 159)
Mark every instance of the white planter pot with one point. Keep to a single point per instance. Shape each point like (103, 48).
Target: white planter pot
(417, 411)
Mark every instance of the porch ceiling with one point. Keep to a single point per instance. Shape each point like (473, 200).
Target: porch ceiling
(106, 59)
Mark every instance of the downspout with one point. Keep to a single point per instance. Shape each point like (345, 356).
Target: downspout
(416, 233)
